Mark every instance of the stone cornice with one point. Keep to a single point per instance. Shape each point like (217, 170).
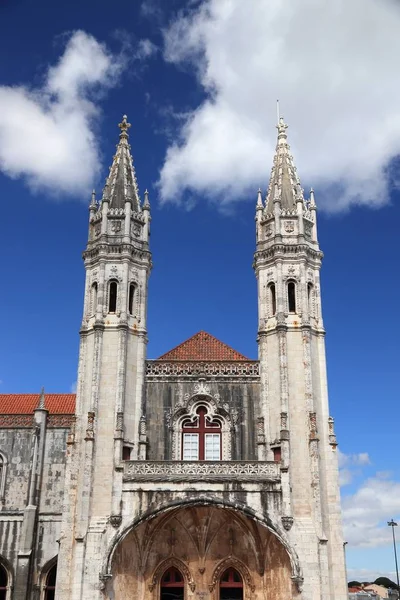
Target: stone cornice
(294, 250)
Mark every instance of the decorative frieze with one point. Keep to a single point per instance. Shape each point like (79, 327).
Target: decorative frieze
(195, 470)
(168, 369)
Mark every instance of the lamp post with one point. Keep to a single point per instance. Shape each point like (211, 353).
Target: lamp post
(393, 524)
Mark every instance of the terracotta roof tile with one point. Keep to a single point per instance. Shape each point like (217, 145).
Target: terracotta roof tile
(21, 404)
(202, 346)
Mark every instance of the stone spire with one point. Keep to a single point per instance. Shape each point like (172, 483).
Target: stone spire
(42, 401)
(284, 184)
(121, 184)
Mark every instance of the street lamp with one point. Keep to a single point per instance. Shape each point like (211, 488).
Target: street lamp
(393, 524)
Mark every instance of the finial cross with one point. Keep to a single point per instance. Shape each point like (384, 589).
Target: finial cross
(124, 126)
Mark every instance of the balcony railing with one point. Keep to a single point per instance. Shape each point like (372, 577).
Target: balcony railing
(250, 471)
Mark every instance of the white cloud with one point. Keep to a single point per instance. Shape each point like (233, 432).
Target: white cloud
(73, 387)
(366, 512)
(47, 134)
(329, 64)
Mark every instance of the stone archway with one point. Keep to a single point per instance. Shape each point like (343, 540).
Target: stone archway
(200, 540)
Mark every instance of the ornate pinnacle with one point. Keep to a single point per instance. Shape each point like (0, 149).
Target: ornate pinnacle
(146, 203)
(259, 199)
(281, 127)
(124, 126)
(41, 405)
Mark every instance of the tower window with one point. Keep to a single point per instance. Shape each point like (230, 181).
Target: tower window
(291, 290)
(272, 298)
(3, 583)
(112, 300)
(131, 298)
(50, 585)
(310, 297)
(93, 299)
(231, 585)
(172, 585)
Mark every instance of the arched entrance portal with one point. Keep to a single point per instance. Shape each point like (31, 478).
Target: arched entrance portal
(204, 553)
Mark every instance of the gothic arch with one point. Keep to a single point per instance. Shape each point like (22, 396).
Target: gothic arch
(173, 561)
(223, 565)
(6, 565)
(279, 534)
(44, 573)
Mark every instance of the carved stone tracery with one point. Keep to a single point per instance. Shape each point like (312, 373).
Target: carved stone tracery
(178, 564)
(187, 410)
(225, 564)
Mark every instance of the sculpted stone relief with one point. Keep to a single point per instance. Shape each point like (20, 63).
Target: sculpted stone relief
(202, 542)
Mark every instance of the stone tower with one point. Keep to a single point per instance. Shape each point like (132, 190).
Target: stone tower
(293, 412)
(110, 384)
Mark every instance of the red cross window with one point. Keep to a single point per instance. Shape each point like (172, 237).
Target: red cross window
(201, 437)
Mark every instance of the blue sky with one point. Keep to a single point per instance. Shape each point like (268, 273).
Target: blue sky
(200, 95)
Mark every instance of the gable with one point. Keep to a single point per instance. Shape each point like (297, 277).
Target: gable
(203, 347)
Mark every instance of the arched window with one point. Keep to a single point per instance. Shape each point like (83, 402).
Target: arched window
(201, 437)
(291, 291)
(3, 473)
(3, 583)
(112, 296)
(93, 298)
(172, 585)
(231, 585)
(272, 299)
(50, 583)
(131, 298)
(310, 293)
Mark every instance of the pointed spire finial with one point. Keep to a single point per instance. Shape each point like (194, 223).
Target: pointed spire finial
(281, 127)
(41, 404)
(124, 126)
(146, 202)
(259, 199)
(93, 199)
(312, 198)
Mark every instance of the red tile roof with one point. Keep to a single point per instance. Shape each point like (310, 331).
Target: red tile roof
(21, 404)
(202, 346)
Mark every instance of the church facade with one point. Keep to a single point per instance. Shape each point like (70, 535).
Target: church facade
(202, 475)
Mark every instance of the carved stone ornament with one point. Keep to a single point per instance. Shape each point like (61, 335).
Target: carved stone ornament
(289, 226)
(298, 581)
(170, 369)
(90, 426)
(172, 562)
(201, 388)
(97, 230)
(269, 231)
(103, 579)
(116, 226)
(115, 520)
(236, 564)
(331, 429)
(287, 523)
(136, 230)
